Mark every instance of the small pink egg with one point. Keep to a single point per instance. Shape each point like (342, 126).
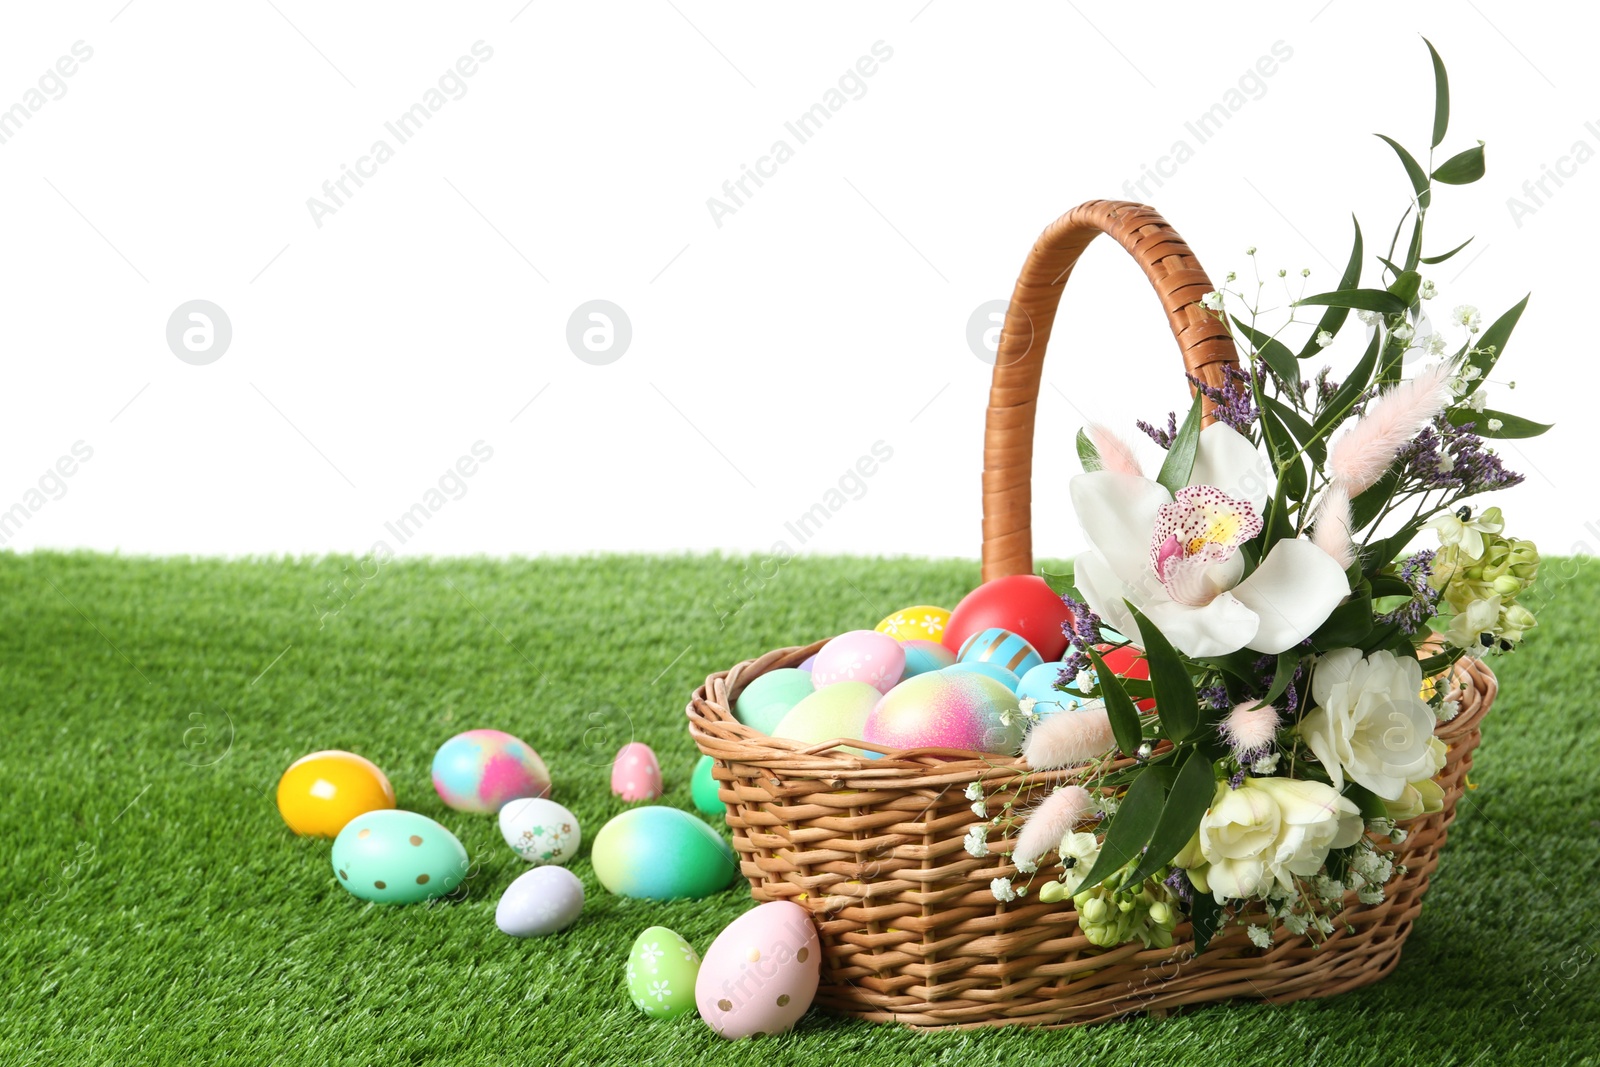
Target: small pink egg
(860, 656)
(636, 773)
(760, 974)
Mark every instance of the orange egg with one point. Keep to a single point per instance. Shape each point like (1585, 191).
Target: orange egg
(321, 792)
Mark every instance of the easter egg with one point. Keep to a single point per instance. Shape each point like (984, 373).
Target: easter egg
(1001, 647)
(769, 698)
(1021, 603)
(1006, 678)
(1128, 662)
(660, 853)
(947, 709)
(662, 968)
(540, 831)
(397, 857)
(322, 792)
(482, 769)
(636, 773)
(760, 974)
(925, 656)
(704, 789)
(1039, 685)
(807, 663)
(921, 623)
(860, 656)
(838, 710)
(539, 902)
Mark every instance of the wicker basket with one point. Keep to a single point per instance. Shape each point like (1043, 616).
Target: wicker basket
(874, 848)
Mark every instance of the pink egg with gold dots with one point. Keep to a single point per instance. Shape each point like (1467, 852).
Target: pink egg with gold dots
(860, 656)
(483, 770)
(942, 709)
(636, 773)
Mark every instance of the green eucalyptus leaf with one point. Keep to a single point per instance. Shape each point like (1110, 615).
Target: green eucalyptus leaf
(1414, 171)
(1088, 455)
(1406, 286)
(1192, 791)
(1384, 585)
(1414, 249)
(1349, 624)
(1178, 465)
(1133, 823)
(1331, 414)
(1441, 95)
(1176, 703)
(1283, 675)
(1492, 343)
(1463, 168)
(1512, 427)
(1119, 706)
(1360, 299)
(1316, 447)
(1440, 258)
(1334, 317)
(1274, 352)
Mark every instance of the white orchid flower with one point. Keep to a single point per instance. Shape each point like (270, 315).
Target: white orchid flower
(1177, 560)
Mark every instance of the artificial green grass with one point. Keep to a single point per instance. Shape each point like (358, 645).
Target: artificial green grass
(156, 909)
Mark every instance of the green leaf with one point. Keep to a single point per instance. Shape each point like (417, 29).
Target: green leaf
(1205, 919)
(1337, 408)
(1381, 553)
(1361, 299)
(1191, 794)
(1369, 503)
(1334, 317)
(1119, 706)
(1511, 426)
(1291, 469)
(1492, 343)
(1419, 178)
(1348, 625)
(1176, 703)
(1287, 662)
(1441, 95)
(1406, 286)
(1133, 823)
(1446, 255)
(1274, 352)
(1463, 168)
(1370, 803)
(1316, 447)
(1088, 455)
(1175, 469)
(1392, 265)
(1414, 249)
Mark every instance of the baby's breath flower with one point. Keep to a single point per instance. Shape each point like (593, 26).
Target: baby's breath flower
(1232, 277)
(1305, 272)
(1371, 318)
(1084, 680)
(1295, 924)
(1403, 332)
(1260, 936)
(1282, 273)
(980, 809)
(1466, 315)
(1324, 338)
(1212, 300)
(1250, 251)
(1428, 290)
(1445, 463)
(1027, 866)
(1495, 425)
(977, 842)
(1436, 343)
(1001, 888)
(974, 791)
(1026, 706)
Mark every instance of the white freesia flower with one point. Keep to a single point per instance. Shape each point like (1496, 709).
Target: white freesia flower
(1467, 627)
(1267, 832)
(1370, 722)
(1466, 533)
(1177, 560)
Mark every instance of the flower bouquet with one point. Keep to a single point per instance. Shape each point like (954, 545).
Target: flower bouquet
(1293, 657)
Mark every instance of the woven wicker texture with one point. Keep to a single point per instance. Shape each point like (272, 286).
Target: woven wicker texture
(873, 848)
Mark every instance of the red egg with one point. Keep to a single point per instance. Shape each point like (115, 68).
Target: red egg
(1021, 603)
(1128, 662)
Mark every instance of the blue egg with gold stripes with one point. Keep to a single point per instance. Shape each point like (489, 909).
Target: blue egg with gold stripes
(1002, 648)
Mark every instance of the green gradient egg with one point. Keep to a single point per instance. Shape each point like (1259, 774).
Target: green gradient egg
(662, 968)
(397, 857)
(703, 787)
(769, 698)
(660, 853)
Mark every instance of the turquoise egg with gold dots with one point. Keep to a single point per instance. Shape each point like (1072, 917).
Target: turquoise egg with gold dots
(397, 857)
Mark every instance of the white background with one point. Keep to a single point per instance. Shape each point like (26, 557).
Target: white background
(768, 354)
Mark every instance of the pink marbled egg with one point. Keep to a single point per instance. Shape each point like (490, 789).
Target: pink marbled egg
(943, 709)
(860, 656)
(636, 773)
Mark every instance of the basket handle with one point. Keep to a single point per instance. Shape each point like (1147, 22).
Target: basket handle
(1178, 279)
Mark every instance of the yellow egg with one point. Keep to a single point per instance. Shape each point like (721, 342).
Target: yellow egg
(921, 623)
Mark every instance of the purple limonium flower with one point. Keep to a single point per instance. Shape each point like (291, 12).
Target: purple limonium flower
(1446, 456)
(1414, 614)
(1216, 697)
(1161, 437)
(1235, 402)
(1178, 882)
